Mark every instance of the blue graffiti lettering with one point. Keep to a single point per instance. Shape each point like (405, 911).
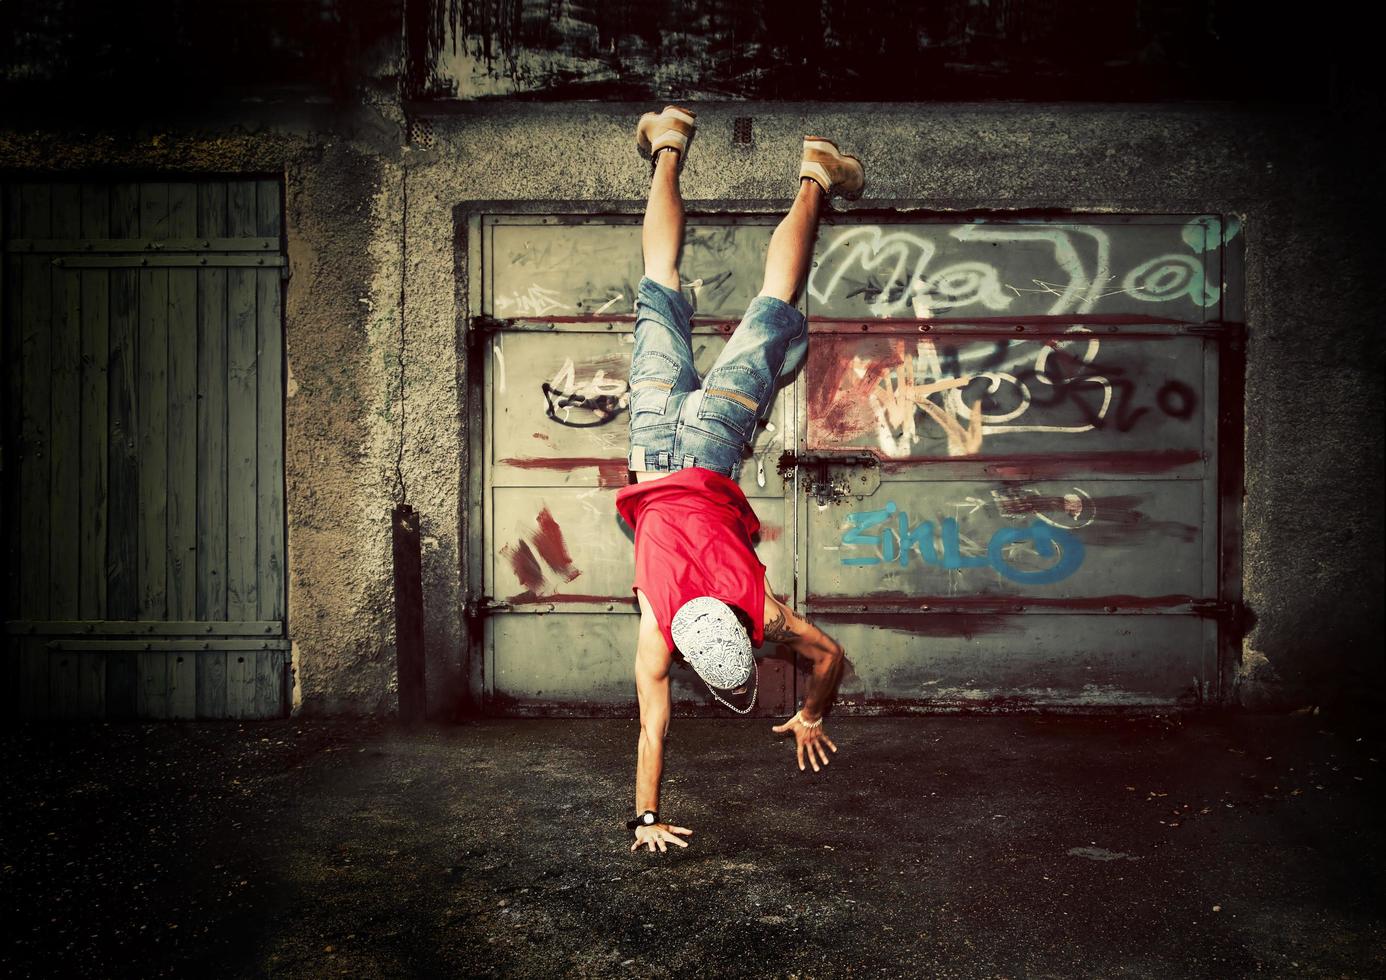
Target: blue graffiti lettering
(899, 542)
(865, 521)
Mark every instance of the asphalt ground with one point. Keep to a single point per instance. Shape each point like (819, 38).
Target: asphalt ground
(1222, 845)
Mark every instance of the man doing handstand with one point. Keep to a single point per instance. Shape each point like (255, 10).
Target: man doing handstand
(700, 587)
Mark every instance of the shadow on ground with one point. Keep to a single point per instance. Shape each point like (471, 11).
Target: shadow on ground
(1220, 846)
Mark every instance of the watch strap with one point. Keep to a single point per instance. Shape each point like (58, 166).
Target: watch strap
(641, 821)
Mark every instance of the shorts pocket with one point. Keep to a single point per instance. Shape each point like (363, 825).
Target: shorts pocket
(734, 396)
(652, 380)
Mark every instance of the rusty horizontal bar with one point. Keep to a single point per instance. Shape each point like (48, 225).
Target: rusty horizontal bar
(162, 645)
(161, 260)
(1011, 328)
(1037, 466)
(1179, 605)
(560, 602)
(126, 627)
(87, 246)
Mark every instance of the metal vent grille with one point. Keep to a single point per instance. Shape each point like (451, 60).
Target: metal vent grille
(741, 131)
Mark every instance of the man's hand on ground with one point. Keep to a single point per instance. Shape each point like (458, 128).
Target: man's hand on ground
(657, 834)
(807, 740)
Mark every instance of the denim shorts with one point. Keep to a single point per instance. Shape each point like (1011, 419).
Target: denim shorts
(678, 420)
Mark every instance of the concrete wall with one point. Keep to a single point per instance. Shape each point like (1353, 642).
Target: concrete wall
(373, 246)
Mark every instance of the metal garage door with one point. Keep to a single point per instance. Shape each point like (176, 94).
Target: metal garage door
(143, 465)
(1002, 485)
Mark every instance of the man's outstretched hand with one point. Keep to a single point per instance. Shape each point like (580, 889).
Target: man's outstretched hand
(657, 834)
(808, 740)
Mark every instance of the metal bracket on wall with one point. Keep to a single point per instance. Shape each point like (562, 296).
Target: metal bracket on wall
(832, 479)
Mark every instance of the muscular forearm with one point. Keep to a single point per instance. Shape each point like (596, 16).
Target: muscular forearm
(822, 683)
(649, 766)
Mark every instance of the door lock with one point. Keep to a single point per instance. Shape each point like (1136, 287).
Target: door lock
(832, 479)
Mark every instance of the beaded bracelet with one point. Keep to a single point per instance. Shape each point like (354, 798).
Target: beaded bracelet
(805, 722)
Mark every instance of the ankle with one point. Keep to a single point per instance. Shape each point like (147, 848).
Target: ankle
(814, 184)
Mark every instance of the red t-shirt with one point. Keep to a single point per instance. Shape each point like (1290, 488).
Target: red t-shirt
(693, 537)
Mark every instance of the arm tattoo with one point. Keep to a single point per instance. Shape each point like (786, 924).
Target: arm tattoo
(777, 632)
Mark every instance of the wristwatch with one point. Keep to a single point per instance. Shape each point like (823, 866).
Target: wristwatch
(646, 819)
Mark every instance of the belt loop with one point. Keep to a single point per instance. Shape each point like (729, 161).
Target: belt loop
(689, 461)
(637, 457)
(663, 459)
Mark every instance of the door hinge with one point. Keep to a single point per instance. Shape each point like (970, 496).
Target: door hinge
(832, 479)
(482, 326)
(478, 606)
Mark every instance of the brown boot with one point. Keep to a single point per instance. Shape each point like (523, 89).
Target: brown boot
(832, 170)
(671, 129)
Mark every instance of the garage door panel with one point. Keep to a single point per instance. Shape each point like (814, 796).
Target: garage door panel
(972, 661)
(567, 548)
(561, 409)
(586, 268)
(1162, 267)
(1056, 540)
(582, 664)
(902, 396)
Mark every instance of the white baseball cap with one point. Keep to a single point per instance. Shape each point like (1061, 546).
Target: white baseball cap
(715, 644)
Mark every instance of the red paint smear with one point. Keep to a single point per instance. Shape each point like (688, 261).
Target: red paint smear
(770, 532)
(552, 548)
(610, 472)
(526, 566)
(1109, 603)
(839, 401)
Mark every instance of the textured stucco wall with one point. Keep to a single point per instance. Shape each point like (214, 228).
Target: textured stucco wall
(1313, 526)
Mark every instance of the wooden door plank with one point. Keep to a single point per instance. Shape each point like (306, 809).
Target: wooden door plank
(95, 448)
(210, 701)
(152, 691)
(91, 685)
(154, 210)
(65, 459)
(182, 685)
(122, 675)
(11, 317)
(152, 394)
(240, 684)
(242, 584)
(35, 353)
(95, 451)
(270, 451)
(182, 210)
(182, 443)
(33, 677)
(269, 684)
(65, 456)
(63, 679)
(154, 687)
(122, 526)
(211, 415)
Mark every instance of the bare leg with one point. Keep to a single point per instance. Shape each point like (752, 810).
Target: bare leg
(662, 233)
(791, 247)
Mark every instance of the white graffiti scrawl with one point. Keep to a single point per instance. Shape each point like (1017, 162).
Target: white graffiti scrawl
(889, 270)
